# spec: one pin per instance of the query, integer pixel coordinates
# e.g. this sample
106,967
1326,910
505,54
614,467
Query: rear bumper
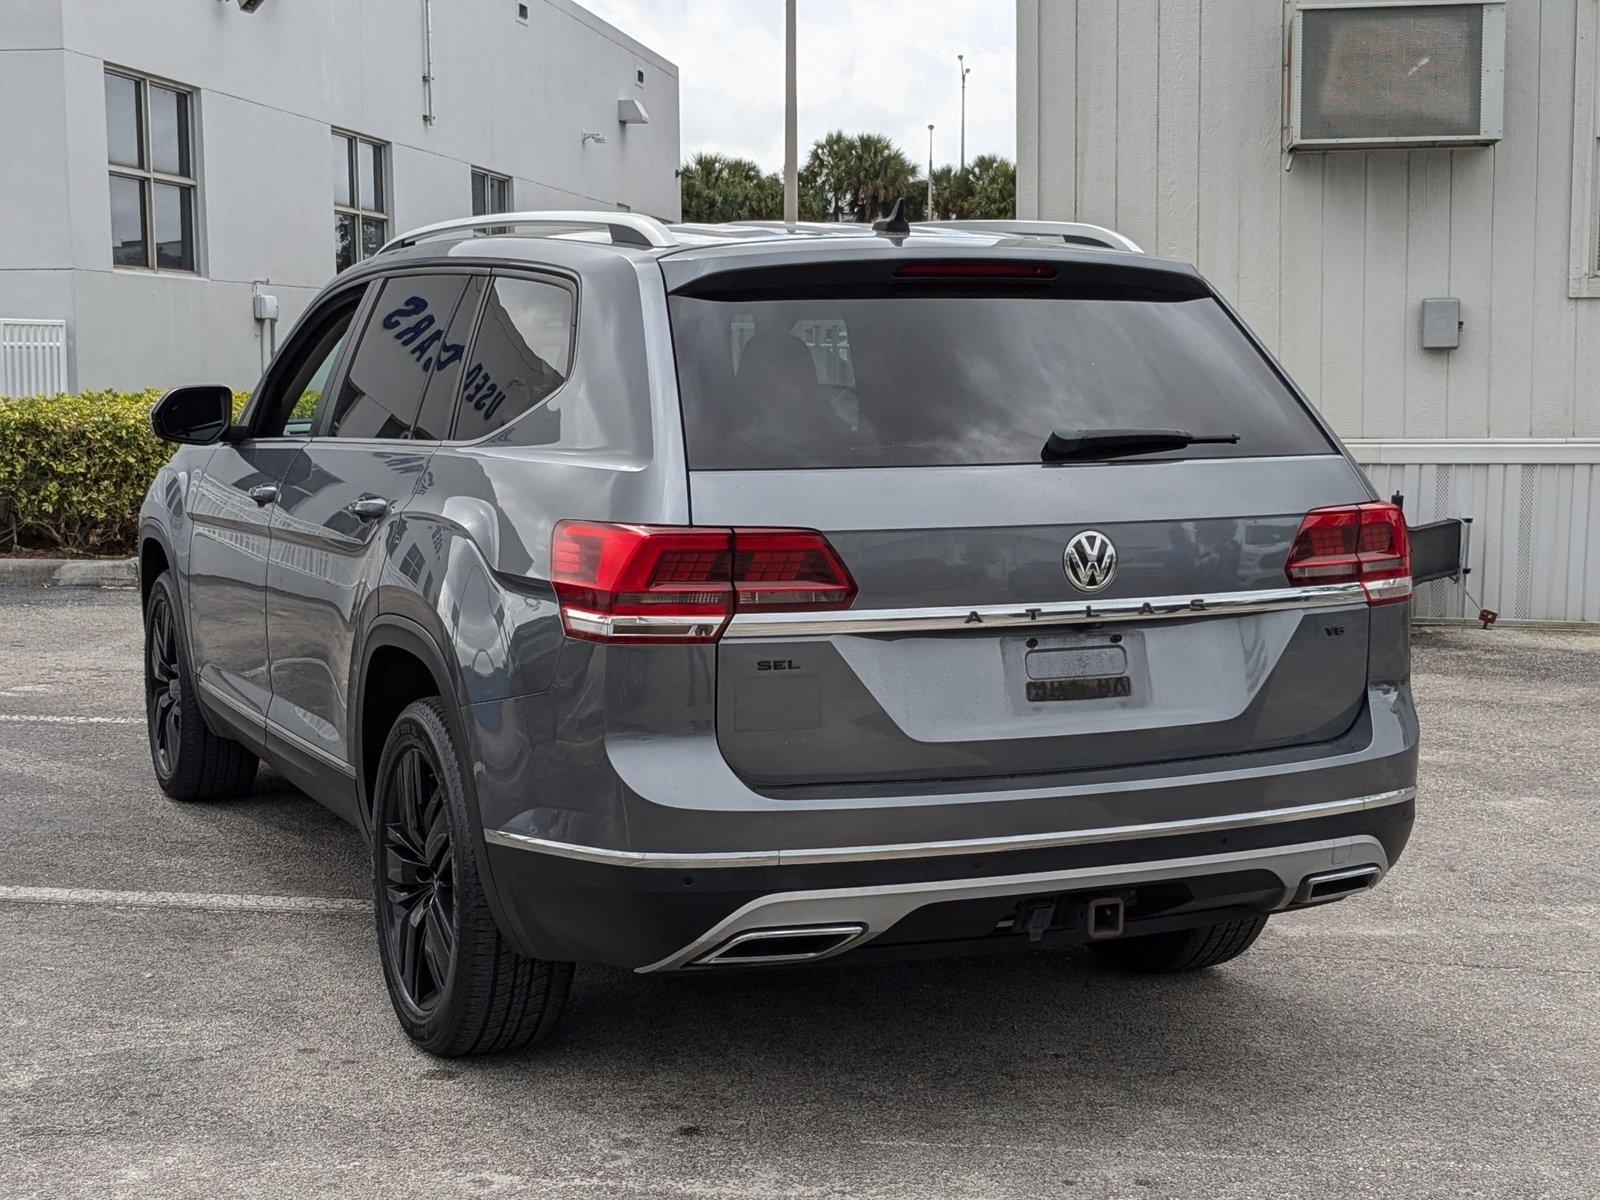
662,912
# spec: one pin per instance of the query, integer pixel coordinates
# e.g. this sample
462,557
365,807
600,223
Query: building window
360,198
491,193
522,12
150,148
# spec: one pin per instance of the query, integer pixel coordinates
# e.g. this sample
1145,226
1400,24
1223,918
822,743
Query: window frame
492,178
1584,246
538,274
309,326
385,182
367,312
147,176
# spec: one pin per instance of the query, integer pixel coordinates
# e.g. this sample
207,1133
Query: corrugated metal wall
33,357
1535,552
1163,119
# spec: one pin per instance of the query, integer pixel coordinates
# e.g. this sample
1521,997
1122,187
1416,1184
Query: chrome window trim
1054,612
994,845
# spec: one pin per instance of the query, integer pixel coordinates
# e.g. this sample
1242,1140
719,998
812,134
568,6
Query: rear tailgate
1012,672
903,414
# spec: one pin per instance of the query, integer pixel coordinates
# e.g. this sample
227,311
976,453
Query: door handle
368,508
264,494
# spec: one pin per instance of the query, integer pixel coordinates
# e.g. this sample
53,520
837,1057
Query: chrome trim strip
879,906
1027,616
994,845
270,726
642,627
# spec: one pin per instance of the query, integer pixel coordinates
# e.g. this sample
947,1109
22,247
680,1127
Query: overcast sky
880,66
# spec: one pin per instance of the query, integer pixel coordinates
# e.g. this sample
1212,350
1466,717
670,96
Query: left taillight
655,583
1356,543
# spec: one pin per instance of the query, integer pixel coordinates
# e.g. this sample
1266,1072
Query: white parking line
45,719
213,901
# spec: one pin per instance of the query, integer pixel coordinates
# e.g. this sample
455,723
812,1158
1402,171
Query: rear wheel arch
401,646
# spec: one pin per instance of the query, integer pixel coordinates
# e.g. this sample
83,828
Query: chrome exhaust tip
1326,886
765,947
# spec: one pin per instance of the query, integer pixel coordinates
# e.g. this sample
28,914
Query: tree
991,189
854,178
719,188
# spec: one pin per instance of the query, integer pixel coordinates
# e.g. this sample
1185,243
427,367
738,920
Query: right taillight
656,583
1357,543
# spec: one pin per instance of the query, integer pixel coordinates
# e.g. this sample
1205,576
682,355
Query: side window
444,384
522,353
294,389
401,348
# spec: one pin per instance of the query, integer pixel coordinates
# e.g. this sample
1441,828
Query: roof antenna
895,222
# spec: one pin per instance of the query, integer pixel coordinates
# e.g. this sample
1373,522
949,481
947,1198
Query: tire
191,761
1182,950
456,984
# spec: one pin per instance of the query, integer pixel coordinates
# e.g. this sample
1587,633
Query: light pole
928,216
791,137
961,61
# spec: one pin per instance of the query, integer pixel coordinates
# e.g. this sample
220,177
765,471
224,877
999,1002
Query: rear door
903,414
359,468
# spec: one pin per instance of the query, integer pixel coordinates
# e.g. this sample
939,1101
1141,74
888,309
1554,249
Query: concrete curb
69,572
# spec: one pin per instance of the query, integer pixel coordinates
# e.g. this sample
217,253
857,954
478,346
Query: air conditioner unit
1365,74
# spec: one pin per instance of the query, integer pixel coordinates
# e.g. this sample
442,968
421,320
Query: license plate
1106,687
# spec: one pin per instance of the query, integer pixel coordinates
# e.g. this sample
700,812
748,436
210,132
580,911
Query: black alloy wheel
192,760
164,687
418,878
457,985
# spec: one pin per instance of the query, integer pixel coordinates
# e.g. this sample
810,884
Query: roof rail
1067,231
626,229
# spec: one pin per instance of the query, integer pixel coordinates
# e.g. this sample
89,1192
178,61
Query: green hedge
74,469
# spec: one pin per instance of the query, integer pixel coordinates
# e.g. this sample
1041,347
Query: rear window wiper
1067,445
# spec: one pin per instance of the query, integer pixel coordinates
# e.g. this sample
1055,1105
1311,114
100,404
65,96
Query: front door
361,467
232,502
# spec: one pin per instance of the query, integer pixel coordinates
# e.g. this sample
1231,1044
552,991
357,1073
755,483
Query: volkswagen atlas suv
688,598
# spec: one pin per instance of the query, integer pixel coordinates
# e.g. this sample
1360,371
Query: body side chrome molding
1054,612
994,845
271,727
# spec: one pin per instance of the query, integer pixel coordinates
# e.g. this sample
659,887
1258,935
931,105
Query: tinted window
401,349
294,389
522,353
953,379
439,402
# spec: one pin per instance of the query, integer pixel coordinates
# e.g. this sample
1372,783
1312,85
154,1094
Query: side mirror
193,416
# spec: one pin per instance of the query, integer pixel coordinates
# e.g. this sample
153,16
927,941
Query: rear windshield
774,382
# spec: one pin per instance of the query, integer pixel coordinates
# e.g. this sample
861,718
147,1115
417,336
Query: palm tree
719,188
854,178
991,188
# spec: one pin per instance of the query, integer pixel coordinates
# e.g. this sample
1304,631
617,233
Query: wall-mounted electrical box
1441,323
1365,74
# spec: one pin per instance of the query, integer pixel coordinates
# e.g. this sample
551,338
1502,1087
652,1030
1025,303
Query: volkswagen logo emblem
1090,561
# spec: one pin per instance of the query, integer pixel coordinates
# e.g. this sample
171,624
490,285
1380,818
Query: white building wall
511,96
1162,118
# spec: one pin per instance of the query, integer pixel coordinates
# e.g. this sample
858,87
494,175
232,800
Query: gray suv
701,597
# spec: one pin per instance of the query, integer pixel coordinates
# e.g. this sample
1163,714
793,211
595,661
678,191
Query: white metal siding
33,357
1162,119
1535,551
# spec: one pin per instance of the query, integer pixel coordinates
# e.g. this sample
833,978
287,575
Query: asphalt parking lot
1440,1037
